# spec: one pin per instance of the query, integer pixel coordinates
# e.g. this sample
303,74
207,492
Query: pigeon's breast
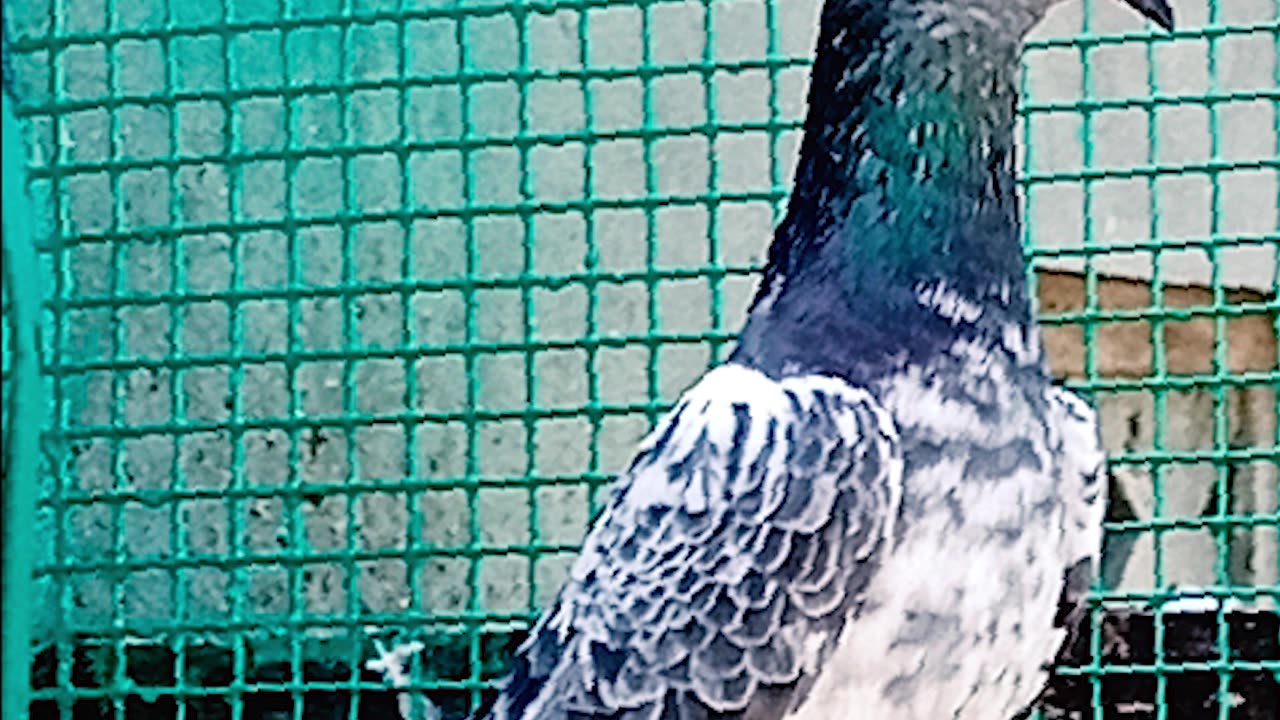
958,622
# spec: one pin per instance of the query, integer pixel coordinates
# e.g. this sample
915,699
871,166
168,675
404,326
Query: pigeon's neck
906,180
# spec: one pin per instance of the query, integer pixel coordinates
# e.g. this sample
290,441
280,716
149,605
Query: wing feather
1084,474
1084,492
730,555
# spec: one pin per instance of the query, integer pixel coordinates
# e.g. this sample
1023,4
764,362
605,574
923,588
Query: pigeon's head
983,23
1158,11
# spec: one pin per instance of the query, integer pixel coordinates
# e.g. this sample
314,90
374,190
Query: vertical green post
22,422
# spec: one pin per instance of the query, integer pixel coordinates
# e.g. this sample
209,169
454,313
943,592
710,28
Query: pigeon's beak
1157,10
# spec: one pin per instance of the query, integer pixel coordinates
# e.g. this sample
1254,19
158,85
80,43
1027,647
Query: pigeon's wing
1083,489
729,557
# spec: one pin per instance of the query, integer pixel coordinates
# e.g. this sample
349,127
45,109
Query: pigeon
880,506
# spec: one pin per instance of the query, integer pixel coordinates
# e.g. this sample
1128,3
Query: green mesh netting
353,306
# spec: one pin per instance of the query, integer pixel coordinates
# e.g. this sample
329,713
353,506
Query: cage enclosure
350,308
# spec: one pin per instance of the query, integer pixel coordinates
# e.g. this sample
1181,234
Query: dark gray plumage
880,506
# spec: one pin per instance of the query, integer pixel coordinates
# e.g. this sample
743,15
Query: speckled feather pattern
796,548
726,564
1001,497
